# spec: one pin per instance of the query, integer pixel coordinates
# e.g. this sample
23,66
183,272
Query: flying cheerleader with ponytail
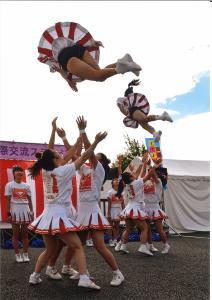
69,49
136,108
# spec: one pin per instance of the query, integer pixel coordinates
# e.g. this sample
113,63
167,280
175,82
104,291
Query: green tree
133,149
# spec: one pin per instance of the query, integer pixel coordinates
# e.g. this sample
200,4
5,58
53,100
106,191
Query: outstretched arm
62,134
71,83
82,125
81,160
52,137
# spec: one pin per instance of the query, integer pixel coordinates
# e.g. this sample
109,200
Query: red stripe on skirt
59,29
48,37
74,192
85,39
39,195
72,29
45,51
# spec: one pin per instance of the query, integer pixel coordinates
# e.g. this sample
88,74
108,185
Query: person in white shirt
89,214
56,220
115,207
134,213
152,198
19,211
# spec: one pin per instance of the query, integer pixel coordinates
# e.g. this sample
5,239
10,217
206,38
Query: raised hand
81,122
100,136
54,125
73,85
61,132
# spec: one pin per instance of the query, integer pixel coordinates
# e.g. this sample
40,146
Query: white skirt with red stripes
115,213
89,216
154,212
20,213
135,211
56,218
62,35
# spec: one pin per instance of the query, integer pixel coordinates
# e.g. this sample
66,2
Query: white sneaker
152,248
87,283
68,270
111,243
166,117
123,248
118,246
77,276
89,243
18,258
115,242
157,135
124,67
143,249
34,278
128,58
166,249
52,273
117,279
25,257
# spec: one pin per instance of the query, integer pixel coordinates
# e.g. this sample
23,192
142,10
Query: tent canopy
187,167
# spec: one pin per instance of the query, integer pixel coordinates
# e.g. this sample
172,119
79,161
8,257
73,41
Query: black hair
105,163
44,161
129,90
17,169
125,178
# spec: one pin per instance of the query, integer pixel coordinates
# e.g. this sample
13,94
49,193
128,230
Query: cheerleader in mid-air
136,108
69,49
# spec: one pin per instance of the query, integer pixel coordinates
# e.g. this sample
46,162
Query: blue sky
194,102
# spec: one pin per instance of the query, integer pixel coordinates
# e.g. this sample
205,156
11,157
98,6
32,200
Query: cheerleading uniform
89,214
152,197
57,216
116,207
62,41
130,104
19,204
135,207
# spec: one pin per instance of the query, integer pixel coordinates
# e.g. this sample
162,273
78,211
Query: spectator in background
19,211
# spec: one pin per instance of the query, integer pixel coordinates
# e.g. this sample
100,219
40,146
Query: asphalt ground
181,274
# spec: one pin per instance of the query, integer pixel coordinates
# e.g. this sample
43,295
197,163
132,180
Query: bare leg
24,233
116,229
159,228
149,233
72,240
15,236
85,71
142,225
147,127
50,243
111,66
110,231
127,231
99,244
140,116
90,60
56,253
69,254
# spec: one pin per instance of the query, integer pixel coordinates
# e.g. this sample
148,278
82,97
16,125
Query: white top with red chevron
135,190
18,192
115,201
155,195
58,183
90,183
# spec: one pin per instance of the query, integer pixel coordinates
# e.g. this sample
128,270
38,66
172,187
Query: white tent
187,198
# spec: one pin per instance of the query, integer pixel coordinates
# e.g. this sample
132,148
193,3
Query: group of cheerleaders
70,50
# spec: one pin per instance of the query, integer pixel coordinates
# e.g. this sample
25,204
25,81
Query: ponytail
125,179
129,90
44,161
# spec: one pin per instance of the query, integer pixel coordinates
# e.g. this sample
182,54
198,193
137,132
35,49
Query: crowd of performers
62,226
68,48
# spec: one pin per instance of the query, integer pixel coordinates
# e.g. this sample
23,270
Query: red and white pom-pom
61,35
129,122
